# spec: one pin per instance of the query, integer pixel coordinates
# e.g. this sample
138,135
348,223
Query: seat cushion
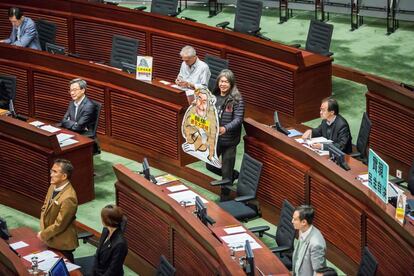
238,209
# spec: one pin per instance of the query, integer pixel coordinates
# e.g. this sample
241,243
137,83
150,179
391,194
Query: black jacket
231,115
110,256
340,133
85,118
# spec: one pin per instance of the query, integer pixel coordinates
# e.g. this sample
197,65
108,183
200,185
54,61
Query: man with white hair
194,73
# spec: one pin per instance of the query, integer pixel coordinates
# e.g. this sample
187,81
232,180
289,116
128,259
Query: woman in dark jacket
230,109
113,248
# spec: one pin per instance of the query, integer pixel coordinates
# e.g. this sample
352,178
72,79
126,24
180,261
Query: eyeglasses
74,90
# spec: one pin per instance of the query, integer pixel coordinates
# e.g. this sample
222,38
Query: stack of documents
318,140
50,128
46,259
37,123
177,188
166,178
186,197
237,241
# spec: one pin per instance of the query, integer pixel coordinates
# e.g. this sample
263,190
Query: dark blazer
110,255
28,35
340,133
85,118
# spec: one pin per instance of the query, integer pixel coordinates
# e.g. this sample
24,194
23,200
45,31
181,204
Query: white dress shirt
77,106
197,74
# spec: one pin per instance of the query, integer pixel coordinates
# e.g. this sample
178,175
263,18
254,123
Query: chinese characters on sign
144,68
378,175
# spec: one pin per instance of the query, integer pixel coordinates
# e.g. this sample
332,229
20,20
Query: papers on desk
50,128
63,136
166,178
46,265
317,140
68,142
18,245
363,178
294,132
41,256
165,82
238,241
177,188
37,123
234,230
187,197
178,87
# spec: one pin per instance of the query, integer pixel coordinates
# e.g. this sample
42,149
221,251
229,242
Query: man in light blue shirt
194,73
24,31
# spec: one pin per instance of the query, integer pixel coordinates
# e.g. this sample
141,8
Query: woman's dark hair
112,215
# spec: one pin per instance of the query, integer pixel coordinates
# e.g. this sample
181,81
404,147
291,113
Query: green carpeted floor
367,49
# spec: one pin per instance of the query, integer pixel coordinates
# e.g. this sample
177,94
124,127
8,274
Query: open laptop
59,269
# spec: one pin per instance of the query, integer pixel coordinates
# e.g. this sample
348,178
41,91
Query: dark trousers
228,159
68,255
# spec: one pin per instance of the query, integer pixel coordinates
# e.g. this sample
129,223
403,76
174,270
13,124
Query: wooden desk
27,154
269,75
157,225
390,108
10,263
348,214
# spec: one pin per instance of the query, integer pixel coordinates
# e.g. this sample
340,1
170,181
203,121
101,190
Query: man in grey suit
309,252
24,32
80,116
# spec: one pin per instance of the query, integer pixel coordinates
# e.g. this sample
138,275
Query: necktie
55,193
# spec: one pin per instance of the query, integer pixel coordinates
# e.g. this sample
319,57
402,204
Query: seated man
80,116
333,127
24,32
194,73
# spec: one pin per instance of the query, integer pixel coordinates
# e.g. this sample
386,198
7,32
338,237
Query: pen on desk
232,225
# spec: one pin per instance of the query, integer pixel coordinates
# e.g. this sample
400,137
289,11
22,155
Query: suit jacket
28,35
312,254
110,255
340,133
57,219
85,118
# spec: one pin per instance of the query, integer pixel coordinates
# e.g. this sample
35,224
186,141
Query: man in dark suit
80,116
58,213
24,32
333,127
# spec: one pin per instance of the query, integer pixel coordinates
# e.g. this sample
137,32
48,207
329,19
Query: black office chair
86,263
409,180
363,137
245,205
319,38
7,90
165,268
247,18
285,234
368,265
215,64
163,7
96,147
47,32
124,49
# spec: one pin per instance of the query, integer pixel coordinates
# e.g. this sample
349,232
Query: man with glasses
333,127
80,116
58,213
24,32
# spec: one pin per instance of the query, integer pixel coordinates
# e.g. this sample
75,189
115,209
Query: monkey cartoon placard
200,128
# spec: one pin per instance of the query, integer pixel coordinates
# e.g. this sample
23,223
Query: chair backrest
363,135
319,37
215,64
405,5
164,7
165,268
285,233
368,265
248,15
378,4
47,32
124,49
249,177
98,107
7,87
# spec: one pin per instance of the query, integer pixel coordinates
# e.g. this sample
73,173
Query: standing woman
230,109
112,248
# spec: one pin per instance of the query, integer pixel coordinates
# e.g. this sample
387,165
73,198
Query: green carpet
367,49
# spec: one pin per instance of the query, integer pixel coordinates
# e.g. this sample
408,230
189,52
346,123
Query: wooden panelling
337,216
394,255
144,220
33,180
282,177
390,122
166,53
272,88
21,103
61,26
6,28
94,40
144,123
51,94
185,250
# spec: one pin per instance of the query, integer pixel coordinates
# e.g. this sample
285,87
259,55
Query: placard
144,68
378,172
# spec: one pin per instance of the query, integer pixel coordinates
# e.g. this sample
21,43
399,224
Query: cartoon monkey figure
200,125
